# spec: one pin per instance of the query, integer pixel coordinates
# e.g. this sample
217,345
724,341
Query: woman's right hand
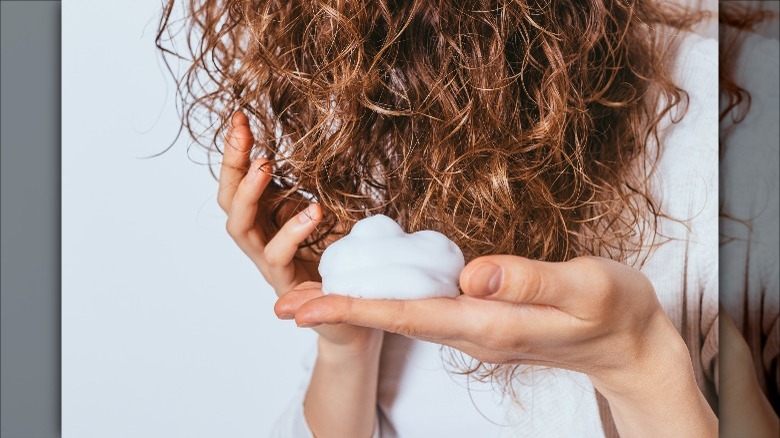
241,186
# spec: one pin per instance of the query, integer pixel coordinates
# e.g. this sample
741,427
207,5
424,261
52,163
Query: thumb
521,280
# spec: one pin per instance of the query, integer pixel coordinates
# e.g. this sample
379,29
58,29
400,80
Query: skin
347,364
588,314
744,408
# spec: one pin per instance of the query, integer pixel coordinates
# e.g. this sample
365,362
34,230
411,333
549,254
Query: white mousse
377,259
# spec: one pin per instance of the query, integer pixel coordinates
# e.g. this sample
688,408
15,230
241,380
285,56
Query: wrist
657,362
655,392
368,346
341,398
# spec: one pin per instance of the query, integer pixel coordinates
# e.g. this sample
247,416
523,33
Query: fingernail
307,324
486,279
285,316
307,215
254,170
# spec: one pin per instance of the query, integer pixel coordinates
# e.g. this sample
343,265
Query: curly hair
522,127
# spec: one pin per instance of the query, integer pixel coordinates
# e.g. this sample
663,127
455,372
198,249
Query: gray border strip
30,222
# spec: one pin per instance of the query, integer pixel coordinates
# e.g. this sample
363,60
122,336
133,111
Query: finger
283,247
437,318
521,280
235,159
289,303
243,209
458,322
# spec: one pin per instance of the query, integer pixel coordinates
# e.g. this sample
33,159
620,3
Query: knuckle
223,203
229,227
599,278
234,229
348,309
527,283
272,256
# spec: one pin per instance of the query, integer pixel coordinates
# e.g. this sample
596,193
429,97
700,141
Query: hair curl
519,127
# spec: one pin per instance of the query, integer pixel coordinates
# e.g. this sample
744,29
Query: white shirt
418,397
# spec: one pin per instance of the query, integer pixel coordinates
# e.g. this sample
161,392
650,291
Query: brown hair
518,127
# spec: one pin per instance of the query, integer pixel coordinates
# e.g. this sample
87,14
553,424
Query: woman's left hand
589,314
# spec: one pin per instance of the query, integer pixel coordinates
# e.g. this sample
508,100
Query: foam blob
377,259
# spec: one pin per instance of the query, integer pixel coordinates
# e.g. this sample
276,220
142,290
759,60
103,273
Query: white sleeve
292,423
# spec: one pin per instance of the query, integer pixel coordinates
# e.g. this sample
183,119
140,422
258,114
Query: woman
569,149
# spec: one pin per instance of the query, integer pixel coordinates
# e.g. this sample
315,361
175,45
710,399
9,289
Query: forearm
341,398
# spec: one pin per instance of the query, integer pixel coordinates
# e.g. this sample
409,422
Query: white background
168,329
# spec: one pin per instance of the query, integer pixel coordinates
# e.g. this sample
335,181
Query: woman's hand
344,379
589,314
241,188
